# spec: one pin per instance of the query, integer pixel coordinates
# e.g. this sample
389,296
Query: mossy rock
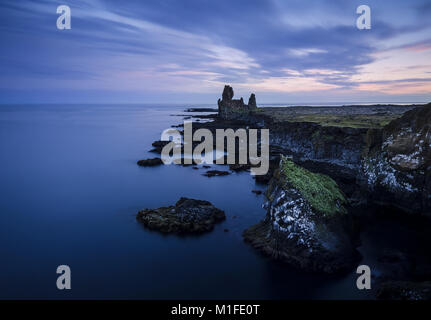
319,190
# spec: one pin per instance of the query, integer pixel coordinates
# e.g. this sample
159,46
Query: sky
185,51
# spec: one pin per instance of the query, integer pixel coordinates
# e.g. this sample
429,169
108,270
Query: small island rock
187,216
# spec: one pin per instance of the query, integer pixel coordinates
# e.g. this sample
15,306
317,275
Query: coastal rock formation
335,151
396,166
158,146
216,173
230,108
252,101
150,162
386,165
306,222
187,216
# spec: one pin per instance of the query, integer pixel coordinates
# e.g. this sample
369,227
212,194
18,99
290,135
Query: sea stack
230,108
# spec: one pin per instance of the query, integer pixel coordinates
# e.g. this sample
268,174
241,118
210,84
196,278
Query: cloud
302,52
198,45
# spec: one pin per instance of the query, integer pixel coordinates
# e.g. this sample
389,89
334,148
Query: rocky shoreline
359,157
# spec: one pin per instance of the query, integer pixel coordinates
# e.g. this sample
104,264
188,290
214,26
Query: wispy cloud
269,46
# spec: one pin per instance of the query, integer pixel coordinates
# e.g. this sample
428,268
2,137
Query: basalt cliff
396,162
341,176
387,164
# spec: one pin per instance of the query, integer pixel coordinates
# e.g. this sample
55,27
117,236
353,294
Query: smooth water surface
69,192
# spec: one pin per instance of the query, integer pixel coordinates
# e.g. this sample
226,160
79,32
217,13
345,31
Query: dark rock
394,264
150,162
204,116
391,256
229,108
206,167
266,178
195,168
334,151
227,94
252,101
307,224
187,216
404,290
201,110
158,146
387,165
256,191
212,173
239,167
226,230
181,125
396,166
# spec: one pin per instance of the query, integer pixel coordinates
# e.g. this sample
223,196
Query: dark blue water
69,192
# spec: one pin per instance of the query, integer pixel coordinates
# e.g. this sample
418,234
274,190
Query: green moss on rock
319,190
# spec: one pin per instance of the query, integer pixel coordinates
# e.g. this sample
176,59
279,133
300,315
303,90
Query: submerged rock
201,110
158,146
150,162
306,222
218,173
187,216
396,167
237,167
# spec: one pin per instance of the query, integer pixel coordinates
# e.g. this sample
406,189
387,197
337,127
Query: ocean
69,193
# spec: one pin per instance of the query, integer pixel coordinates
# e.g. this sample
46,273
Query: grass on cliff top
366,121
356,121
319,190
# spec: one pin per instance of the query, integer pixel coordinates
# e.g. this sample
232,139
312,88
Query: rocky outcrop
396,164
306,223
230,108
252,101
390,165
187,216
150,162
158,146
216,173
335,151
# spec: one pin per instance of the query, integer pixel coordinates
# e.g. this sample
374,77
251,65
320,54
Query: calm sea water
69,192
